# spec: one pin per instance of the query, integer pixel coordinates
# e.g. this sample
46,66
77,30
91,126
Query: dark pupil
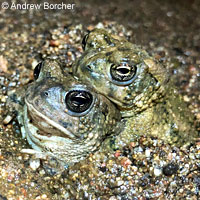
122,72
78,101
84,41
37,70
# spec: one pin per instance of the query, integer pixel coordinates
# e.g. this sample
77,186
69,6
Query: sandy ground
145,169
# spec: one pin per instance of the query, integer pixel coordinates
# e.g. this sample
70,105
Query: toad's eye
78,101
37,70
123,74
84,41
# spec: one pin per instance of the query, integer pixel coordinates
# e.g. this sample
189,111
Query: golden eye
123,72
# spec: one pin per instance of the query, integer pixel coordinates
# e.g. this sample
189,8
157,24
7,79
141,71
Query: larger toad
62,118
140,87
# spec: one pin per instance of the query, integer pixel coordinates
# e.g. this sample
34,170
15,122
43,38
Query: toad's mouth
46,127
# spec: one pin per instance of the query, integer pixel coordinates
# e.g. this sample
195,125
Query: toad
62,118
139,85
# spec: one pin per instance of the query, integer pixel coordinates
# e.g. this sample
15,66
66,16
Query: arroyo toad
140,87
61,117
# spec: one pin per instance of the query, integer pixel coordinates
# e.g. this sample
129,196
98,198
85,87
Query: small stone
7,119
125,162
157,171
186,98
147,152
44,196
120,182
170,169
34,164
134,168
3,98
112,198
192,156
117,153
3,64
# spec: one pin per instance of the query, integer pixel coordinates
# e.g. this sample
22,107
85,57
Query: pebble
157,171
147,152
3,64
170,169
7,119
34,164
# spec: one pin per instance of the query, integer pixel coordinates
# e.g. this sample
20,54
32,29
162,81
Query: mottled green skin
149,104
55,131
